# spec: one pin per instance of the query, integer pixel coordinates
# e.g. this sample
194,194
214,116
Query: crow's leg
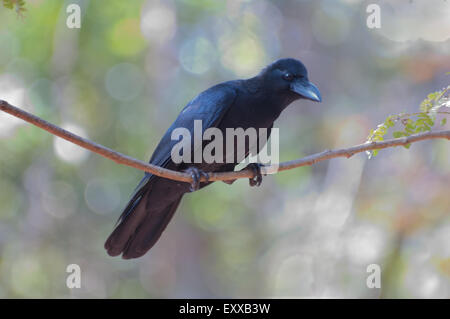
256,180
196,174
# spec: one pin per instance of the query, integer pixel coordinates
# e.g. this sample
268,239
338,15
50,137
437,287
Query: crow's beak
307,90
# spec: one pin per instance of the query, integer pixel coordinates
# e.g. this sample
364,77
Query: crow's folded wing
209,106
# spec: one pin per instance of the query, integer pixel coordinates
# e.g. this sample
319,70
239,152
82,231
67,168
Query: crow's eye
288,76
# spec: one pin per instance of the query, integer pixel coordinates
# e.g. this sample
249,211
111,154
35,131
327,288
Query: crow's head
289,77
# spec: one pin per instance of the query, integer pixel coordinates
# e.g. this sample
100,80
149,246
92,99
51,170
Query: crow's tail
140,225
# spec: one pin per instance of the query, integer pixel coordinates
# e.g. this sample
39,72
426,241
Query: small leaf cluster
434,101
413,123
377,135
17,5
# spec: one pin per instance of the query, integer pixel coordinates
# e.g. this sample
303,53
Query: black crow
252,103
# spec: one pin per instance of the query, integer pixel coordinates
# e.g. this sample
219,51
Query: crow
251,103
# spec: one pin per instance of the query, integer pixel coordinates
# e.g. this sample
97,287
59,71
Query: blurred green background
122,78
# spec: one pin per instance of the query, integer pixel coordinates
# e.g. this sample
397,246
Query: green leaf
444,121
18,5
398,134
389,121
8,4
407,146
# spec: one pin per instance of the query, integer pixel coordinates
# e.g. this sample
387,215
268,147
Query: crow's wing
209,106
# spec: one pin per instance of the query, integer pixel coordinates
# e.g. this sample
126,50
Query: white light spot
158,22
197,55
400,20
68,151
365,244
13,92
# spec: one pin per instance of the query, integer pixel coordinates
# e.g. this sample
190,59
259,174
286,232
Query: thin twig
224,176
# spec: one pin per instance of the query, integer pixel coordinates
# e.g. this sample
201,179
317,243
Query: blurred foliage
122,78
17,5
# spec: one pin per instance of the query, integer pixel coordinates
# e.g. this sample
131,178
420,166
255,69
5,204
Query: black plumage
256,102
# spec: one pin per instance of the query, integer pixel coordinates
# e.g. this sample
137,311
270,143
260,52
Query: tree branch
183,177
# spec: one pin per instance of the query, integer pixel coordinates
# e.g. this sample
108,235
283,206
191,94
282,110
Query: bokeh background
122,78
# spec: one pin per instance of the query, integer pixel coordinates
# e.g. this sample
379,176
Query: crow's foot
256,180
196,175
